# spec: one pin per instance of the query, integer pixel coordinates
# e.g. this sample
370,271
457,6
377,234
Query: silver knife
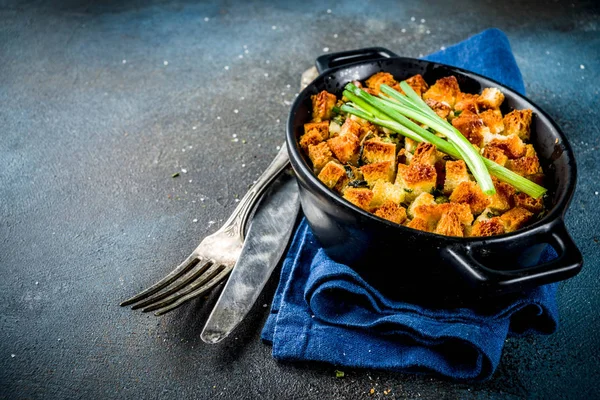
267,238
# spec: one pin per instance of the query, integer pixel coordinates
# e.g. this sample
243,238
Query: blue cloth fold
324,311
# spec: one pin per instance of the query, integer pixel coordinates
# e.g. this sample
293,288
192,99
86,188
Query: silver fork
214,257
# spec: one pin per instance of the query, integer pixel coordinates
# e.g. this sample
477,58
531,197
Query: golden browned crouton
433,212
456,172
525,166
518,122
345,148
384,191
319,155
392,212
425,153
511,145
333,175
416,178
529,203
418,84
314,133
487,227
420,224
471,126
351,126
495,154
515,218
490,98
360,197
378,171
503,199
466,102
424,199
493,120
378,79
322,105
444,90
449,225
441,108
470,193
375,150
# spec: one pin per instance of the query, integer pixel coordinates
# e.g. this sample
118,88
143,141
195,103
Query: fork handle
236,223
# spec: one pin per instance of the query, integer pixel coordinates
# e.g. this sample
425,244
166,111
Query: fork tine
206,277
182,268
194,294
190,276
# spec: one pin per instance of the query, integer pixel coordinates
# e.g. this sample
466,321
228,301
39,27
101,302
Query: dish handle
343,58
567,264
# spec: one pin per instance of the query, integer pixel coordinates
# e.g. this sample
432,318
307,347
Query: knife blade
267,238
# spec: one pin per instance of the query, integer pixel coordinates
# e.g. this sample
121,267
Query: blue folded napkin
324,311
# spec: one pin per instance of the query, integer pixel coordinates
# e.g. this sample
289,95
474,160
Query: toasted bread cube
416,178
425,153
322,105
378,79
444,90
384,191
392,212
511,145
360,197
525,166
472,127
319,155
488,227
424,199
375,150
515,218
456,172
322,127
495,154
529,203
490,98
380,171
345,148
314,133
470,193
350,126
503,199
418,84
420,224
433,212
441,108
493,120
333,175
466,102
449,225
518,122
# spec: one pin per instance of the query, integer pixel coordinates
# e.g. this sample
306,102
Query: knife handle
236,224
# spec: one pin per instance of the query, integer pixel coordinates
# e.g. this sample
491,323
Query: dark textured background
93,124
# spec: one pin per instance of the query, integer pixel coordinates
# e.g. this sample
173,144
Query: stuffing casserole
414,184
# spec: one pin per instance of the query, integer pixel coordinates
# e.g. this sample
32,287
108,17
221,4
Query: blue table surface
101,102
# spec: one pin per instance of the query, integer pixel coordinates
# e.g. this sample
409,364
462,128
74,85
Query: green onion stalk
394,114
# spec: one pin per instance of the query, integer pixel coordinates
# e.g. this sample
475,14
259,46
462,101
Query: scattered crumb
273,27
403,30
328,11
165,62
325,49
124,61
443,48
265,305
582,66
206,19
412,19
184,170
226,68
372,391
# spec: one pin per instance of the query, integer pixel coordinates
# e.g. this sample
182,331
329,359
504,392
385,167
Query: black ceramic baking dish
395,258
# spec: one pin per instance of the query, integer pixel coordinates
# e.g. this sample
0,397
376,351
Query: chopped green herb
358,183
457,112
175,175
408,190
442,199
349,172
339,374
